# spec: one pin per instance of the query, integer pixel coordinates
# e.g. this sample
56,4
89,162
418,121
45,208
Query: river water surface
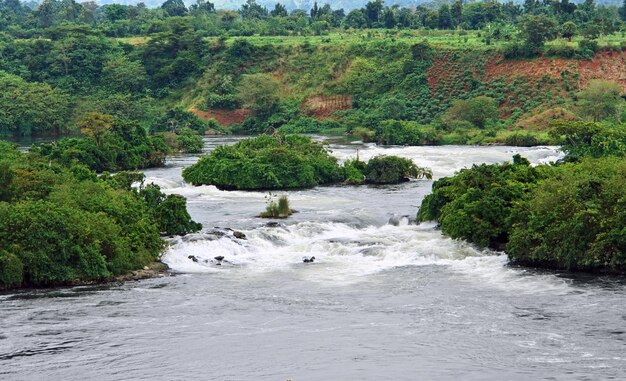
382,301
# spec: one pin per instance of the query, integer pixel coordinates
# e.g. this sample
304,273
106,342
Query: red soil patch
541,121
324,106
608,65
224,118
497,67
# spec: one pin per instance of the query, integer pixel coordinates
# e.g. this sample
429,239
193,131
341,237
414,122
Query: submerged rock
397,220
239,235
193,258
308,260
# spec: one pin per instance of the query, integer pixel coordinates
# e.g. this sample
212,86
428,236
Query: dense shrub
126,145
476,203
170,212
574,220
60,224
581,139
266,162
11,270
393,169
396,132
309,126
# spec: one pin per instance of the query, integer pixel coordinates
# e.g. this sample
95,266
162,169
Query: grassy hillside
362,79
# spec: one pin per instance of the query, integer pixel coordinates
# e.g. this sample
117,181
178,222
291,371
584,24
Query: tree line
565,17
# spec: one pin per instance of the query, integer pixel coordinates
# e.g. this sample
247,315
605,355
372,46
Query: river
382,301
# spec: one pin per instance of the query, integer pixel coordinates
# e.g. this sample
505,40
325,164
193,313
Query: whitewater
386,298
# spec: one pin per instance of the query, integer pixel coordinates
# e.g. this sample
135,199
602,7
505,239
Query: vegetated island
270,162
62,224
566,216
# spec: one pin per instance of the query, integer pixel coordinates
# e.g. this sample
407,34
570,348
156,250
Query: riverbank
153,270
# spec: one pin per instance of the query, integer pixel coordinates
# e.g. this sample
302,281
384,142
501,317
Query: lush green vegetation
266,162
276,209
423,70
567,216
292,161
60,223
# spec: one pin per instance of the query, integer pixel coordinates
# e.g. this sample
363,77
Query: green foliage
600,100
31,107
177,118
574,220
169,212
62,224
394,132
582,139
266,162
476,203
303,125
189,141
354,171
260,93
125,145
393,169
11,270
276,209
537,29
477,111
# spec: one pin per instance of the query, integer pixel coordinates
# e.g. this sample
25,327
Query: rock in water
308,260
397,220
193,258
219,258
239,235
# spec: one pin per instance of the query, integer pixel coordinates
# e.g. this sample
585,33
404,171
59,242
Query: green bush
353,171
266,162
394,132
189,141
575,219
11,270
60,225
521,139
476,203
393,169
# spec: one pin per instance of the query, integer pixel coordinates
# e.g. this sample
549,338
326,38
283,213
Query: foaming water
384,299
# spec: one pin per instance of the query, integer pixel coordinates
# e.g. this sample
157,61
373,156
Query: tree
355,19
116,12
259,92
622,11
600,100
27,108
457,12
174,7
252,10
279,10
202,6
373,11
96,125
445,17
477,111
568,30
537,30
314,11
123,75
389,18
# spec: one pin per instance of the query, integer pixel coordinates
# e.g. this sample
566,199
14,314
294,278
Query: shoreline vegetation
125,86
61,222
569,215
293,162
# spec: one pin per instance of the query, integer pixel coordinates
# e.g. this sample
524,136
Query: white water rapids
382,301
345,228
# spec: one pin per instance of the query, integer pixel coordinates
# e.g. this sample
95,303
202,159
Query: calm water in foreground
382,301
